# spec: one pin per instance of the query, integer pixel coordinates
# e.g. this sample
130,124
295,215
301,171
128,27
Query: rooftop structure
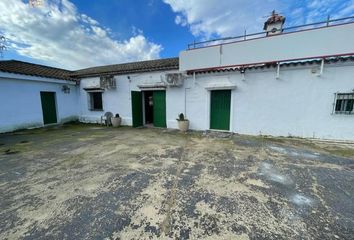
313,41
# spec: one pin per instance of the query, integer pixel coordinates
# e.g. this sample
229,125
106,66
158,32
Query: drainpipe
321,68
185,102
185,96
243,77
278,71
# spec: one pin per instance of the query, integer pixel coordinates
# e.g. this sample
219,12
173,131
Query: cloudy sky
76,34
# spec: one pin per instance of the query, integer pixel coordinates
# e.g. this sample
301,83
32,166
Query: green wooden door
49,107
159,99
220,104
137,109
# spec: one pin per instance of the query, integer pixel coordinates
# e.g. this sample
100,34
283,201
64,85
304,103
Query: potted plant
183,123
116,120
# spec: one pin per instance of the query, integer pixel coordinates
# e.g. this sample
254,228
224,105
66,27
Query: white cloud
207,19
58,35
223,18
179,20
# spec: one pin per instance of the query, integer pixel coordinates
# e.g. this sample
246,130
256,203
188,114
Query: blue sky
154,18
75,34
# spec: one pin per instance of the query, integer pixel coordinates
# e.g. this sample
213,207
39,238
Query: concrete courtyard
91,182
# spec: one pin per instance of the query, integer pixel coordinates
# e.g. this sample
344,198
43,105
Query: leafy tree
2,45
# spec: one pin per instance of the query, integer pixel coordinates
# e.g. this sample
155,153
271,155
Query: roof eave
80,76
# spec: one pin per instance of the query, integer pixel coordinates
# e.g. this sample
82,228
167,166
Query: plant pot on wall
116,120
183,124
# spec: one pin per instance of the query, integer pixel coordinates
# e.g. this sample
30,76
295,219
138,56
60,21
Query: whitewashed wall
20,101
300,103
119,100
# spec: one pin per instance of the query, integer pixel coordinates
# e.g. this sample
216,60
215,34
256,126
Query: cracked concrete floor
91,182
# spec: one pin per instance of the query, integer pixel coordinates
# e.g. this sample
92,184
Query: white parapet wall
312,43
20,101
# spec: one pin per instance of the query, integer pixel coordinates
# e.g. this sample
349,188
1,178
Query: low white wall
20,101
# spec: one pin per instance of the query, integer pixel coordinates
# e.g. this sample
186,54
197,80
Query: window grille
344,103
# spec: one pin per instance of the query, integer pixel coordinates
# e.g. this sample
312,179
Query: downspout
321,68
278,71
185,96
185,102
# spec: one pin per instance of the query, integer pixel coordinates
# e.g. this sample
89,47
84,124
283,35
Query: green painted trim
159,99
48,107
137,108
220,108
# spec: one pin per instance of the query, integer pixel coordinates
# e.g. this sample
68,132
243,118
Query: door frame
208,110
143,90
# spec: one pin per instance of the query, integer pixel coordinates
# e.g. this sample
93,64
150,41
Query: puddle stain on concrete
83,182
301,200
273,174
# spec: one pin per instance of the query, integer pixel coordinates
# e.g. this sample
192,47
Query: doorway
220,107
148,108
48,107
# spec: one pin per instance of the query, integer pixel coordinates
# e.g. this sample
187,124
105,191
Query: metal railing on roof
327,23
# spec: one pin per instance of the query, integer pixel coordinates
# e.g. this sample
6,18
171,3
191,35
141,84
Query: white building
279,83
33,95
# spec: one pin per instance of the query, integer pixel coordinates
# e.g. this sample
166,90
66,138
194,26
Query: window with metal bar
344,103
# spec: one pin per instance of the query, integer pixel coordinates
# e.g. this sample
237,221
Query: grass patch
348,153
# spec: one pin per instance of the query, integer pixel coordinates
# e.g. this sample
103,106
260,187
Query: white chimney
274,24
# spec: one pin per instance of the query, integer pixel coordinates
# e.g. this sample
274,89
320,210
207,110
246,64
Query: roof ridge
120,64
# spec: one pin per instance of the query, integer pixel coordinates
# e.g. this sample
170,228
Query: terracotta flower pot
116,121
183,125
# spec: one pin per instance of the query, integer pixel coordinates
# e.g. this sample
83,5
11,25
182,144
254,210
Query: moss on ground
348,153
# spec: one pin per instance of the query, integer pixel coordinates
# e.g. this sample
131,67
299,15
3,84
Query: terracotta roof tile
19,67
274,64
133,67
14,66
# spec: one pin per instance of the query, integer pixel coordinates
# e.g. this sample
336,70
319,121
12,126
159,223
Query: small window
344,103
96,101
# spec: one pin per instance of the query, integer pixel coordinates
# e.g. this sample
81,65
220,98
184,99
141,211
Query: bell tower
274,24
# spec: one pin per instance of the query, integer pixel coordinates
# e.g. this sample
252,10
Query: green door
159,99
48,107
137,108
220,103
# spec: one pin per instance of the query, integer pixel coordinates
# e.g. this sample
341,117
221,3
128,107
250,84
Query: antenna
272,13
